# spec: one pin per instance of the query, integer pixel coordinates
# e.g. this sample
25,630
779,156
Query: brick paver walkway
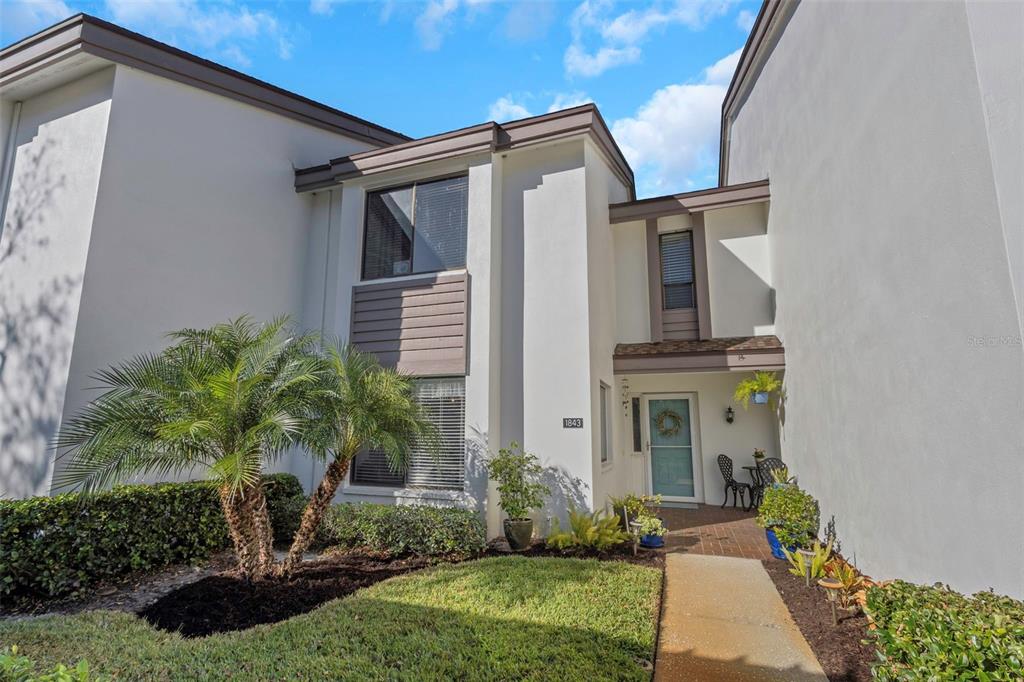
711,530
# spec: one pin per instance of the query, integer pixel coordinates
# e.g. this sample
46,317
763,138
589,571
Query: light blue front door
672,449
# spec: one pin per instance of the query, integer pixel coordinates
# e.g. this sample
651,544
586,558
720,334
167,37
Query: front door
672,448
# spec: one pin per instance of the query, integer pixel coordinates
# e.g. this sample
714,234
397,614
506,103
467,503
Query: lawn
493,619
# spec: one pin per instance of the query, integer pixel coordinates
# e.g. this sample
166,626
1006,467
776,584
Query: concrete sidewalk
723,619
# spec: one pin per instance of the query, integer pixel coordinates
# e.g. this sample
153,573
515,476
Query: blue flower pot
773,542
760,398
652,541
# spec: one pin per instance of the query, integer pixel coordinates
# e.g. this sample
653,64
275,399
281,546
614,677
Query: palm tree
363,407
225,400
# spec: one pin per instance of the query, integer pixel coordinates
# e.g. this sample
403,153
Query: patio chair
764,477
738,489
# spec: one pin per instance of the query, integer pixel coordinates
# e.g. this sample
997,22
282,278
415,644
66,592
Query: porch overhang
734,354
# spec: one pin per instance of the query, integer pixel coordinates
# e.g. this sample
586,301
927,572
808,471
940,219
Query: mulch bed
226,602
839,648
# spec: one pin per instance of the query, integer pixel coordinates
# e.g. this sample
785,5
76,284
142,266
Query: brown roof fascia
487,137
770,14
690,202
88,34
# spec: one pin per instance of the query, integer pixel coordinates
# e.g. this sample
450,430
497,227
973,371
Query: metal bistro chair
738,489
764,475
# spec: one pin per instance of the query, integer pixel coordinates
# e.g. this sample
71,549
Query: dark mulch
839,648
226,602
643,557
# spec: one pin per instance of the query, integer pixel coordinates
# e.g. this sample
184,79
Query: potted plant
758,454
629,507
651,531
758,388
790,518
515,471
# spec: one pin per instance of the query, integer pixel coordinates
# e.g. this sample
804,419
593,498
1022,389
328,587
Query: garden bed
225,602
839,648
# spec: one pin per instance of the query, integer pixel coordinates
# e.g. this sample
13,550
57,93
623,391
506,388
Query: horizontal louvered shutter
677,270
441,219
444,401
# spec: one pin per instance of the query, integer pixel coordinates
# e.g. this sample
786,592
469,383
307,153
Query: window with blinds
677,270
444,401
418,228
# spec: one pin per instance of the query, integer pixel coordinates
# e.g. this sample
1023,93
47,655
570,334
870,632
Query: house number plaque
572,422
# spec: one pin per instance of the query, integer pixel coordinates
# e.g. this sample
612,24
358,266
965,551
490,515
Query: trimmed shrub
792,513
933,633
405,529
54,546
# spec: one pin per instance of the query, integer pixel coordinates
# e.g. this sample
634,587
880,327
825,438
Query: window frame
412,238
350,481
693,270
605,424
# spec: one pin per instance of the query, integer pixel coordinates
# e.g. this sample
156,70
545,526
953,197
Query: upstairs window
677,287
416,229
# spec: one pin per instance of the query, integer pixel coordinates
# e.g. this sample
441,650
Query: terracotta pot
519,533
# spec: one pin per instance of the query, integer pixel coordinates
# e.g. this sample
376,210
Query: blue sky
658,71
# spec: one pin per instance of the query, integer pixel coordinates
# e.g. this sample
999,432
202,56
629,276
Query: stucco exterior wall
195,222
43,247
890,255
739,271
632,293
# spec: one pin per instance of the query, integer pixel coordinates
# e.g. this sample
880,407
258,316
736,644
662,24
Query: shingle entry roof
734,344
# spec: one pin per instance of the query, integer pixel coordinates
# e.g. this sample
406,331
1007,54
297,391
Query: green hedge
53,546
932,633
405,529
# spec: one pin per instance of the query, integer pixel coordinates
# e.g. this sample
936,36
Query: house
513,271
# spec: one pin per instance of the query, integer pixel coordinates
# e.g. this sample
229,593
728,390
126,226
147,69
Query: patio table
758,487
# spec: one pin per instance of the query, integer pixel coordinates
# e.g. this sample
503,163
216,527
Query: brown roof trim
83,33
711,355
690,202
487,137
773,15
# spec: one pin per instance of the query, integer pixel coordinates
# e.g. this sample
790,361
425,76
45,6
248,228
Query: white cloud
672,140
224,28
745,20
721,71
578,62
323,7
622,35
25,18
434,22
506,109
567,100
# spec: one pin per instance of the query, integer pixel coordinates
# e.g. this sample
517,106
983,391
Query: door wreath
669,423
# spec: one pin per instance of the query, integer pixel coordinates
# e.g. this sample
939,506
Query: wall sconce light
729,414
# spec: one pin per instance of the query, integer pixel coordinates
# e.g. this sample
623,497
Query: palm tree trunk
314,512
239,529
263,534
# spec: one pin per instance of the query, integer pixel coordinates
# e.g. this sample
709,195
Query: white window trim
605,425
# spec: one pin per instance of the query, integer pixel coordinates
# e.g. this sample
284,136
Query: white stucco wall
739,271
894,263
46,234
755,427
632,292
195,221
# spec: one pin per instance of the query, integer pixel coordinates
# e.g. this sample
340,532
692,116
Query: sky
658,71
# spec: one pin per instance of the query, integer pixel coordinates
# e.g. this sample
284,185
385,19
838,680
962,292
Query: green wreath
669,423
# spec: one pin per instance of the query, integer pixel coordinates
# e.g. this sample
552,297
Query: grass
493,619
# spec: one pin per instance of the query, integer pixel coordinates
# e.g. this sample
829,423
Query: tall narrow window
418,228
444,401
637,435
606,440
677,270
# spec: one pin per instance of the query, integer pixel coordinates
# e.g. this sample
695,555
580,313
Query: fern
596,531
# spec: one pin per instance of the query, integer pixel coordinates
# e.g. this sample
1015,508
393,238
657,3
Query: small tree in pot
515,471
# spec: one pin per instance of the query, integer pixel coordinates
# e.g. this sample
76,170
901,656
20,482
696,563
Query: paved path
722,619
